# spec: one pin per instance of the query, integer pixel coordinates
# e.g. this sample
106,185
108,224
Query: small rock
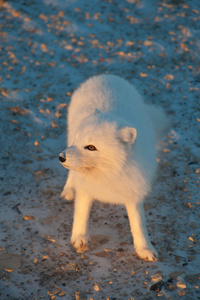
181,285
10,262
157,287
26,217
96,287
194,225
175,274
192,279
47,220
101,254
62,293
69,267
169,286
157,277
56,291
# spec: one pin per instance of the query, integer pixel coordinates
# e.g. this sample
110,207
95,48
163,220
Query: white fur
107,112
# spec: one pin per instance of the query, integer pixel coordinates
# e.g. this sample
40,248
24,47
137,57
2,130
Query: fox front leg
82,207
68,191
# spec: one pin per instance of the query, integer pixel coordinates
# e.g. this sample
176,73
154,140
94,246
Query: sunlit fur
107,112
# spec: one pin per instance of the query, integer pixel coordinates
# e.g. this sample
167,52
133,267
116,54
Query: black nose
62,159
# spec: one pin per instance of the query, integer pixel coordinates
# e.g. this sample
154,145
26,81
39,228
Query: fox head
99,147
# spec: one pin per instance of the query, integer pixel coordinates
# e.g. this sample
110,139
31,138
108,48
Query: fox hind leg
143,246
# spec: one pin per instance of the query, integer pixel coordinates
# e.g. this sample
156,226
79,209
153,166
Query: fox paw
147,253
79,242
68,194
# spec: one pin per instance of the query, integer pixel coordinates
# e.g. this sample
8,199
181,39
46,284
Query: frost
47,49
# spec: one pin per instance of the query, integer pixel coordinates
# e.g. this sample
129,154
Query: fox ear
128,134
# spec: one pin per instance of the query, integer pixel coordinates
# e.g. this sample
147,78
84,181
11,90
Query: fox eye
90,147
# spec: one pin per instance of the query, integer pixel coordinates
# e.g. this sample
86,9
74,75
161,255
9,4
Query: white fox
111,154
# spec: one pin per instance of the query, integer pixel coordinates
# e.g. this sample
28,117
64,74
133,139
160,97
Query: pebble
157,277
10,262
96,287
175,274
192,278
157,287
181,285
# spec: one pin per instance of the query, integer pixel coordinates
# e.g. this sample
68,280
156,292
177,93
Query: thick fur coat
111,154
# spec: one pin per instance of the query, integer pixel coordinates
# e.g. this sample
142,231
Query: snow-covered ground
47,48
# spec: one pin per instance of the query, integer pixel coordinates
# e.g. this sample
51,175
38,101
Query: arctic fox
111,154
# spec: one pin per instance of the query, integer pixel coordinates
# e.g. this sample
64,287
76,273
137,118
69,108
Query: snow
47,49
